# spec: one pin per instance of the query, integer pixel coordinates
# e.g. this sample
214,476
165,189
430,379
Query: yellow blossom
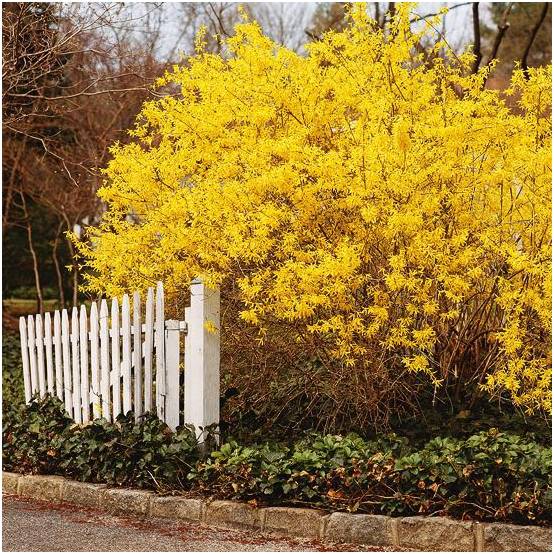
391,215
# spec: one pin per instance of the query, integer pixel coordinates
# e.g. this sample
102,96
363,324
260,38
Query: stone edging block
433,533
10,482
176,507
501,537
42,487
415,533
300,522
123,501
237,515
361,529
83,494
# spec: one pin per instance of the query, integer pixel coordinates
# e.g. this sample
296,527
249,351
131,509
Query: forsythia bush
381,210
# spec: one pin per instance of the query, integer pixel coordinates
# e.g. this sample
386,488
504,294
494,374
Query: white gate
107,362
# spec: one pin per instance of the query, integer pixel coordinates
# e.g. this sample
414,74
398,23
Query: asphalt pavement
35,526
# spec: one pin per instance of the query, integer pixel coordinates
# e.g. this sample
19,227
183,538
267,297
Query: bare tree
519,31
285,23
74,79
218,18
326,17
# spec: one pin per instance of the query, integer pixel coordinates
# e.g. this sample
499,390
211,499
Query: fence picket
159,340
148,343
116,366
58,354
32,344
83,351
48,348
188,350
172,373
75,365
137,355
105,360
126,357
66,357
39,330
25,358
95,362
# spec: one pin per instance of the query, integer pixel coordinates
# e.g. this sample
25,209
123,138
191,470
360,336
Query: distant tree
32,59
527,38
31,67
285,23
328,16
74,77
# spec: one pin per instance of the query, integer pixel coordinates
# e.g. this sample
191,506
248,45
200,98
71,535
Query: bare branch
532,37
427,16
503,26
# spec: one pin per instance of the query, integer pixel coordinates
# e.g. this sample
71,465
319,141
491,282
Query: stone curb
413,533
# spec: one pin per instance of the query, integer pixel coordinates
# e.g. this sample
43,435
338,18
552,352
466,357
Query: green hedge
41,438
490,475
12,371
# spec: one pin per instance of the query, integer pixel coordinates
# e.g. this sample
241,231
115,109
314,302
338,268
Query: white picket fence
106,362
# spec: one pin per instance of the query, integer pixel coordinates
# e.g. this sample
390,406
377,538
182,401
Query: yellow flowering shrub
380,212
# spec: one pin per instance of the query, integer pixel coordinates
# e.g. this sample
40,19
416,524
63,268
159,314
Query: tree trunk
75,284
476,38
38,286
503,26
11,188
75,272
74,267
534,33
57,266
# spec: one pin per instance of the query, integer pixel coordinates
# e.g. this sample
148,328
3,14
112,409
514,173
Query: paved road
36,526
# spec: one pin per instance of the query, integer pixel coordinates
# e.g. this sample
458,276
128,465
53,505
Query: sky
458,22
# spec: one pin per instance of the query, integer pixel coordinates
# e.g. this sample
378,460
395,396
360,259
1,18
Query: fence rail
102,363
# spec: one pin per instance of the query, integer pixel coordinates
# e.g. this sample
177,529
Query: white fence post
115,374
48,347
202,357
127,354
148,349
95,361
40,354
83,355
32,345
